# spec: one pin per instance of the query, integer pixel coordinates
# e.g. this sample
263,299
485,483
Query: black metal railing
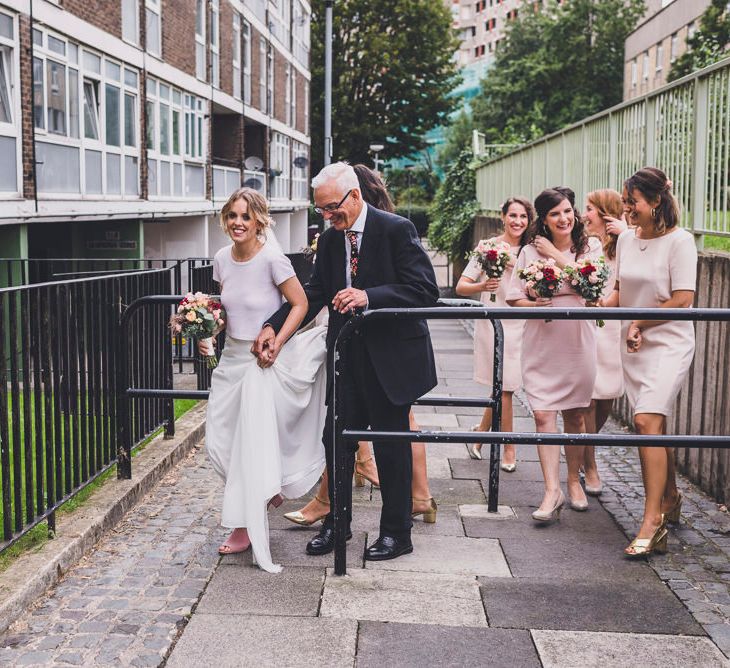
59,365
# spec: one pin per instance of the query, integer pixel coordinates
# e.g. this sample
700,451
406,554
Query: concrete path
478,589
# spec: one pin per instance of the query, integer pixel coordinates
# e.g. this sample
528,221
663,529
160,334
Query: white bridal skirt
264,430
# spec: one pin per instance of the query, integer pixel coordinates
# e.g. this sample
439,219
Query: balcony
225,181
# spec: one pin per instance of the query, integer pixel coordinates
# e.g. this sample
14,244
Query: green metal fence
682,128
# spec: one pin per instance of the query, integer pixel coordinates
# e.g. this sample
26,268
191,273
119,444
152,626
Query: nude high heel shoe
298,517
551,515
361,475
429,516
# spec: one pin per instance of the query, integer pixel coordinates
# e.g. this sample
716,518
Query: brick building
125,124
481,25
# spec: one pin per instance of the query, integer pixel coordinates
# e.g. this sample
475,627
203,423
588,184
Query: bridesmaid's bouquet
310,252
197,317
493,257
589,279
543,277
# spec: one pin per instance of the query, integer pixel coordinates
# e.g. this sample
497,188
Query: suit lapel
371,238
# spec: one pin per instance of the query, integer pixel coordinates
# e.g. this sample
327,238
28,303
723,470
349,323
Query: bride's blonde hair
258,208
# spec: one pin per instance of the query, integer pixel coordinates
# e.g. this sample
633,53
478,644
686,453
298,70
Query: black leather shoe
323,542
387,547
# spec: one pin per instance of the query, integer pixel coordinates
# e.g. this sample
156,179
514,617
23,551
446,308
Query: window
246,57
86,117
280,161
236,52
691,30
9,114
153,10
262,74
305,102
270,80
215,69
300,171
659,57
6,83
673,48
634,72
130,21
287,93
300,33
200,39
645,66
280,21
293,100
174,159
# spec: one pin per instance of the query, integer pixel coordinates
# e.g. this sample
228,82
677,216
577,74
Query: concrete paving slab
418,645
575,649
518,492
238,591
578,605
234,640
438,466
454,492
479,470
392,596
481,511
446,421
448,522
447,450
287,549
450,554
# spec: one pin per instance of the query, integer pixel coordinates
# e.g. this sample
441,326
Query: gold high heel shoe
642,547
361,476
298,518
672,515
429,516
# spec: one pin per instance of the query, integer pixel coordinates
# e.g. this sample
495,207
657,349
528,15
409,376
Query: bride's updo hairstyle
548,199
258,209
654,185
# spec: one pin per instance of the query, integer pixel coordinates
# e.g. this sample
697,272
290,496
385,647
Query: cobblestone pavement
487,590
126,601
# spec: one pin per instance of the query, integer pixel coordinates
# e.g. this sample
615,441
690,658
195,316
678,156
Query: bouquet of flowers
543,277
589,278
493,257
197,317
310,252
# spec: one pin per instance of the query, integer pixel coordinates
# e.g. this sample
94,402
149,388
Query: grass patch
37,536
717,243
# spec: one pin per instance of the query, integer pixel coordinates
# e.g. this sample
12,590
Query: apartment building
481,25
657,42
125,124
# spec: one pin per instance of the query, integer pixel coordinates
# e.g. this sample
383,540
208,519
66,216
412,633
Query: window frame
154,7
246,54
262,73
215,43
13,129
127,38
236,56
201,63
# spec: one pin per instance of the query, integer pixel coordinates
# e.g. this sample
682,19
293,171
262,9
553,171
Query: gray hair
339,172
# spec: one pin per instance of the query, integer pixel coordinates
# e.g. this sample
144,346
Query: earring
653,212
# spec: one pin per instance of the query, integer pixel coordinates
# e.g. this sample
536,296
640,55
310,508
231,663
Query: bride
265,417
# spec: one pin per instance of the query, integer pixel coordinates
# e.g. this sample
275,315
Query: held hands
490,285
203,348
615,225
266,348
633,338
349,299
543,301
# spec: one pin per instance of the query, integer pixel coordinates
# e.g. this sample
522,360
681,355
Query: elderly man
368,258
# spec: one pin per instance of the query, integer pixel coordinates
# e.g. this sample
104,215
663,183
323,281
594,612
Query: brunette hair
373,189
258,208
608,203
654,185
549,199
527,205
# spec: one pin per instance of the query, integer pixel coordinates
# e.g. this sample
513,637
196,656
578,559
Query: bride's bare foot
238,541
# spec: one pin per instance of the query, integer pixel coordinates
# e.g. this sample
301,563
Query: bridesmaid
656,268
558,357
517,215
603,220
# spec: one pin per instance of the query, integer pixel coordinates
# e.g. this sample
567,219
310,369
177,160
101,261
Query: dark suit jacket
395,271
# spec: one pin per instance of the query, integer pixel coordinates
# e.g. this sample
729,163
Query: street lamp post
376,148
408,169
328,4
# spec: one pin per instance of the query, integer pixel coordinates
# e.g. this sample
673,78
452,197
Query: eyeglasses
331,208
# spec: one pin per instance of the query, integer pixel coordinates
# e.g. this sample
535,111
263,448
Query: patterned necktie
354,255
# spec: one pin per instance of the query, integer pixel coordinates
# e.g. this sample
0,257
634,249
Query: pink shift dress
558,357
484,333
648,271
610,375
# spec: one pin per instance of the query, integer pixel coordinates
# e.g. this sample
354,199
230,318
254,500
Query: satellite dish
253,163
256,184
301,161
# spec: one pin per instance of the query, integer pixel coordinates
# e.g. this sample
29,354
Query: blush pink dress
558,357
609,376
648,271
484,333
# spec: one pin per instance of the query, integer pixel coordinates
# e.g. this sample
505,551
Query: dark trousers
367,405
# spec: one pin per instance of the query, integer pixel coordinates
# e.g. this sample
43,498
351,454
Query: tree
555,66
393,69
454,208
458,136
708,45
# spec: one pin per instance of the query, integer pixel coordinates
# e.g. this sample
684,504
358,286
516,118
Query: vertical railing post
124,448
650,131
613,175
699,159
494,455
339,457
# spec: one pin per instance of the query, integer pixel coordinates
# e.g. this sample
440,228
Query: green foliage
417,185
555,66
458,137
393,69
708,45
419,215
453,210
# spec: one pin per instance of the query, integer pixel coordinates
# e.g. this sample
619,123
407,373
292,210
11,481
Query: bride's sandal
298,516
643,547
235,543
